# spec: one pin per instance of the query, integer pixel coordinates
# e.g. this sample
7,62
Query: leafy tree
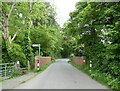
27,48
15,52
95,27
37,18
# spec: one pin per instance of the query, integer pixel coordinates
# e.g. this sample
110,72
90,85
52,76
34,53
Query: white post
38,66
39,57
90,66
28,65
5,70
15,67
18,65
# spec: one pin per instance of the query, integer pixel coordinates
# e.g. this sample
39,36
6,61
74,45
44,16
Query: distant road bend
61,75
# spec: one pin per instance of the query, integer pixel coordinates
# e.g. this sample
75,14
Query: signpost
38,45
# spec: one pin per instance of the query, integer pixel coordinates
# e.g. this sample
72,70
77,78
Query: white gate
6,69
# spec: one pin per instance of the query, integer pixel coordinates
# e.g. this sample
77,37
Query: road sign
35,45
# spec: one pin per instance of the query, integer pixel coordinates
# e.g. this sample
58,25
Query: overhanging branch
15,35
11,9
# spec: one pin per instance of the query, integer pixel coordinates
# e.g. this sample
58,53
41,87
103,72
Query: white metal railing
6,69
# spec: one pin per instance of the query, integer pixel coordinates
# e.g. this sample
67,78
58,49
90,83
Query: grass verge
25,81
103,78
42,68
1,79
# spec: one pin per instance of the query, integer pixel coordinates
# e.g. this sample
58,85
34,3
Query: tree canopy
27,23
93,31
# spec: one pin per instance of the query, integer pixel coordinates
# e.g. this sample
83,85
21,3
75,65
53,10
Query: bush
15,52
16,73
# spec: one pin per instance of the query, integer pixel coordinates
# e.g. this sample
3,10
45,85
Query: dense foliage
27,23
93,31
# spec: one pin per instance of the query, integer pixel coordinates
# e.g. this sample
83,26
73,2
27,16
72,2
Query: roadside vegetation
93,31
103,78
27,23
42,68
1,79
24,24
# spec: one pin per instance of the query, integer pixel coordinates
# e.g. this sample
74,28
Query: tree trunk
5,23
5,28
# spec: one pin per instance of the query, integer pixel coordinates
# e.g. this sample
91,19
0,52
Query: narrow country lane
61,75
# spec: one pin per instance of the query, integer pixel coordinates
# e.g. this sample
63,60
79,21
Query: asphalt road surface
61,75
